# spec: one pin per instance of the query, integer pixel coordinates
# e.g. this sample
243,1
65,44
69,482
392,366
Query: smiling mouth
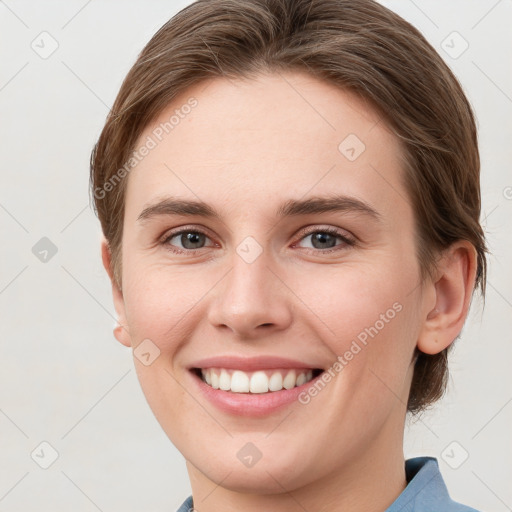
258,382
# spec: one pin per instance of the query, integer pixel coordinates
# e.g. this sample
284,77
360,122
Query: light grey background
63,377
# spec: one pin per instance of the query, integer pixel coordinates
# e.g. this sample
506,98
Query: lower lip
251,404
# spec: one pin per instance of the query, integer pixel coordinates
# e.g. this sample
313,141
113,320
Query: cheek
358,301
162,303
368,317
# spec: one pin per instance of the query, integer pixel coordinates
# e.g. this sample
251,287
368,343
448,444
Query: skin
248,146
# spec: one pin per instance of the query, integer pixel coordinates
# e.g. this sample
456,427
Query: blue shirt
425,491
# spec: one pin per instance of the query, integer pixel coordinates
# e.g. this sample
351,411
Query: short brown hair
357,45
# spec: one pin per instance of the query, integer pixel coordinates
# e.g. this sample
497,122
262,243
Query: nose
251,300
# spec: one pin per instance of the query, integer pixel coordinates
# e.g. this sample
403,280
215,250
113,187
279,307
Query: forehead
247,140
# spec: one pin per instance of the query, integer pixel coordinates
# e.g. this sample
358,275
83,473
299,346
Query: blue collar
425,491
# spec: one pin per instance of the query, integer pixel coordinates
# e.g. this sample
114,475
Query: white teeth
261,381
239,382
224,380
275,382
290,380
215,380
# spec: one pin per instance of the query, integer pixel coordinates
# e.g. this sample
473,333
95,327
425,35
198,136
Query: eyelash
303,234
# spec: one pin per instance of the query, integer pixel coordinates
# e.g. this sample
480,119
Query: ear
452,291
121,332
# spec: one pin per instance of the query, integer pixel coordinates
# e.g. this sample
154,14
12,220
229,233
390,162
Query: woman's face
300,256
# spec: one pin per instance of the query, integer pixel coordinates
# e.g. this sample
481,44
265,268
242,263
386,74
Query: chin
256,480
268,475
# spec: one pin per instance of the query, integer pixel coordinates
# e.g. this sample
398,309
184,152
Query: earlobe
122,335
453,291
121,332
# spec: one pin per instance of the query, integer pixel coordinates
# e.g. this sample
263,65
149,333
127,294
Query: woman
289,193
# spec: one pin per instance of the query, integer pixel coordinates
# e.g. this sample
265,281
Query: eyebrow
290,208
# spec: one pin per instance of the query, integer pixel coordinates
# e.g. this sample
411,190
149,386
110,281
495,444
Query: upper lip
250,363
